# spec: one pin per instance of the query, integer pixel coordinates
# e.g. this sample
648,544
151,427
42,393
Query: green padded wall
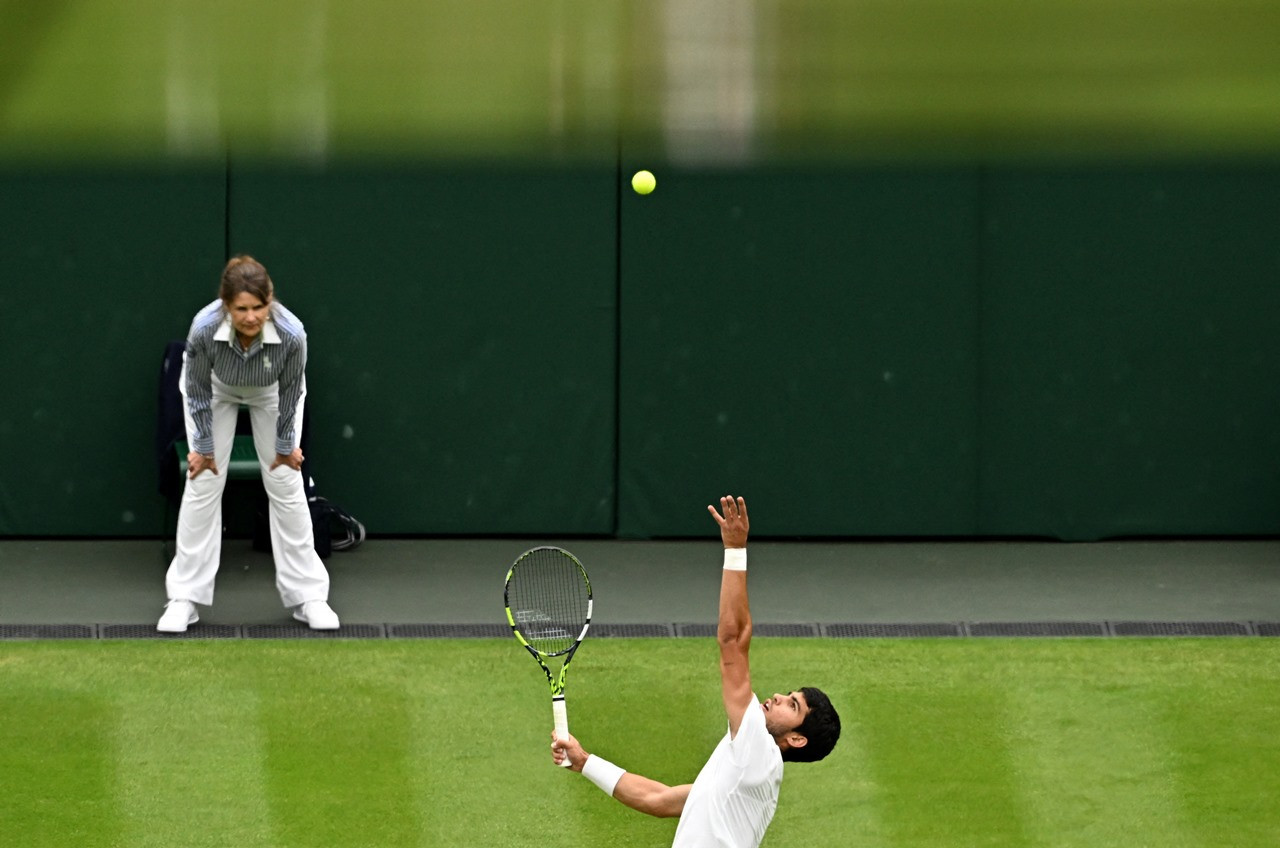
462,326
1073,352
1131,349
805,338
101,268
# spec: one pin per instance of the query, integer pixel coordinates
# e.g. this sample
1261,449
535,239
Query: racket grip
561,718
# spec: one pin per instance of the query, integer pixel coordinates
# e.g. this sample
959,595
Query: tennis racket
548,598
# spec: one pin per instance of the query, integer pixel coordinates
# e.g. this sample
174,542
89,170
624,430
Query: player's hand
293,460
197,463
733,522
571,748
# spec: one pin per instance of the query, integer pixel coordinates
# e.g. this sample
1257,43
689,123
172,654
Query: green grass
1103,742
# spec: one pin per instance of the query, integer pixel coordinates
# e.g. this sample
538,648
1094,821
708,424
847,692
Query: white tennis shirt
735,795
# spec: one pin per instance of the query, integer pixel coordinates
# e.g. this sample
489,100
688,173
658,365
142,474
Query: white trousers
300,574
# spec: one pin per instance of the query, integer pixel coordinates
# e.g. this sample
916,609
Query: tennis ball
643,182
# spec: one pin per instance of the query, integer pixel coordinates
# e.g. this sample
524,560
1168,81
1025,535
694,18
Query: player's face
248,314
783,713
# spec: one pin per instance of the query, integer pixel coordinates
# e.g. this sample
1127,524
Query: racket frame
556,680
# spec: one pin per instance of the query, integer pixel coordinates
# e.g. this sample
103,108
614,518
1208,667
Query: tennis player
733,799
246,349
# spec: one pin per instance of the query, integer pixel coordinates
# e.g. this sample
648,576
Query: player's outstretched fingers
731,506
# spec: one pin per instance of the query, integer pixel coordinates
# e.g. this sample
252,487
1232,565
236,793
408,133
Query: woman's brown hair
245,274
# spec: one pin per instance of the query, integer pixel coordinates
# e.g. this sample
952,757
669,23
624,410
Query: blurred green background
732,80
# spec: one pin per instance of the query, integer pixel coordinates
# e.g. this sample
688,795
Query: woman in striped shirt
245,349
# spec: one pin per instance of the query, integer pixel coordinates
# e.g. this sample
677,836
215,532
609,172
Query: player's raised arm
733,628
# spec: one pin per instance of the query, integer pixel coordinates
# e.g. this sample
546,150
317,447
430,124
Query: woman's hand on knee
293,460
198,462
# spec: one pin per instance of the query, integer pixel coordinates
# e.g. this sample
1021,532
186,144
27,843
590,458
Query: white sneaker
177,616
317,615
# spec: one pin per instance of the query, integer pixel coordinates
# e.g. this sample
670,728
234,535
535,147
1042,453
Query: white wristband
735,559
602,773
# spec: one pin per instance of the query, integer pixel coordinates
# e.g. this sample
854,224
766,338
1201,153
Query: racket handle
561,718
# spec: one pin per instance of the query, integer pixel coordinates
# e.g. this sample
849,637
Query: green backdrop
808,338
101,268
1075,351
1131,355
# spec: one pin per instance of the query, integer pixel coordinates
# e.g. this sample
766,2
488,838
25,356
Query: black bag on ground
341,531
333,528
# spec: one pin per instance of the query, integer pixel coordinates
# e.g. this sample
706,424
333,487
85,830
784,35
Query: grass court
975,742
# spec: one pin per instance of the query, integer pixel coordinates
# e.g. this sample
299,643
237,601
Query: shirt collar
270,335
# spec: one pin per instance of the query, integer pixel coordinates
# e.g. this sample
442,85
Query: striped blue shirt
277,355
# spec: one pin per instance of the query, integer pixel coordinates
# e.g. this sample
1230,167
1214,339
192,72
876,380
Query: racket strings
549,599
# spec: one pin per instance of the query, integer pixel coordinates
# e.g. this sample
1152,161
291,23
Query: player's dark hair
821,726
245,274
